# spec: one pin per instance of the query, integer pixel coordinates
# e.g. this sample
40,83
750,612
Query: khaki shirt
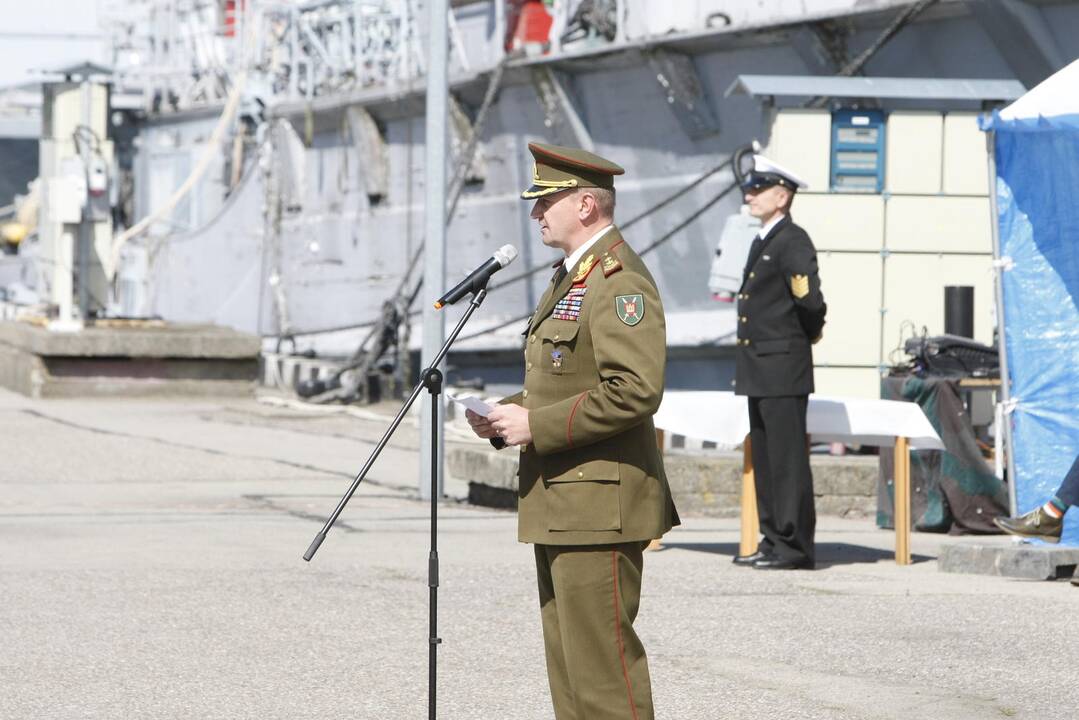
594,359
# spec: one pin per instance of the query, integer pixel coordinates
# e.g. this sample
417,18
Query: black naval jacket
780,313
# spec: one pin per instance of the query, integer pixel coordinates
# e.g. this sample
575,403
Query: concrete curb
1004,558
169,361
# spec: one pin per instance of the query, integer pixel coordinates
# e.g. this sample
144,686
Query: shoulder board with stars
611,264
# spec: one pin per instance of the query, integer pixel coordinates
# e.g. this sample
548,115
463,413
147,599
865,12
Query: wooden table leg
902,501
750,523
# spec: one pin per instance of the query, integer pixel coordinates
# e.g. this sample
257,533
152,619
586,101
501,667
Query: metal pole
434,260
1004,428
86,227
500,29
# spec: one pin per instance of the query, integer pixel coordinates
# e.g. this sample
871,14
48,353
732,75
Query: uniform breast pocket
559,348
582,495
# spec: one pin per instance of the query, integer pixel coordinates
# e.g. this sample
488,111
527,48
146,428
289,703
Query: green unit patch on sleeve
630,308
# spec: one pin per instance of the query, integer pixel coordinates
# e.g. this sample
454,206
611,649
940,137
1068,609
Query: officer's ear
786,197
587,206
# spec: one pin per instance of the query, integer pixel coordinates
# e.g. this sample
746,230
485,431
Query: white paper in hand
472,403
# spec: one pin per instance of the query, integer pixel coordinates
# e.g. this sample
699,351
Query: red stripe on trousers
618,631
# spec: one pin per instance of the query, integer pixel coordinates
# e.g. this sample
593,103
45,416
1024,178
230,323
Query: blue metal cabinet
857,151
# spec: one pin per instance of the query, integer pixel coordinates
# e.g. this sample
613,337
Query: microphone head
505,255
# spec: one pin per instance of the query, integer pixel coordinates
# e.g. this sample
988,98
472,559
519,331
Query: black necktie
754,251
560,274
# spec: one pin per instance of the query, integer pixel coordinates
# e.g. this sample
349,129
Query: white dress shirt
577,254
763,232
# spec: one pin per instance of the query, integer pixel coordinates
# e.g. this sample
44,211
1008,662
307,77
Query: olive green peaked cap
559,168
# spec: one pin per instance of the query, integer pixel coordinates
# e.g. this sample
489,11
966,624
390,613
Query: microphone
479,277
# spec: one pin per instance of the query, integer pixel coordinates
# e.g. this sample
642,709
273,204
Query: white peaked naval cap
768,172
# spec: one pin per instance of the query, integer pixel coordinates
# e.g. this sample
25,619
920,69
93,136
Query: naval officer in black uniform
780,315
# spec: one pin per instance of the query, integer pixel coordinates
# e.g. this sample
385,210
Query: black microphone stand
431,379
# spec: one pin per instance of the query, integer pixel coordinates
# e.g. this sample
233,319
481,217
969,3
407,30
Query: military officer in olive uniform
780,315
592,490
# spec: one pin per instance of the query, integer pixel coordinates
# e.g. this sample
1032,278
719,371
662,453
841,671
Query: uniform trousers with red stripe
596,664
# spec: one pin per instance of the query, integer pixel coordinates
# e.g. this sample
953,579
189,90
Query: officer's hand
511,424
480,425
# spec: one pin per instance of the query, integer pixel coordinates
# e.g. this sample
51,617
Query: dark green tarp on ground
954,490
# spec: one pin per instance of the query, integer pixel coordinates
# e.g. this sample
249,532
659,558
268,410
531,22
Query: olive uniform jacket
780,314
594,360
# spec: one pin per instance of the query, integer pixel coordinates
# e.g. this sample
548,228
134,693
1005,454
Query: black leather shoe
1035,524
774,562
1075,578
750,559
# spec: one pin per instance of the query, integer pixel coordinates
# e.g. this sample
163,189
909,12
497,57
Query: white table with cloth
723,418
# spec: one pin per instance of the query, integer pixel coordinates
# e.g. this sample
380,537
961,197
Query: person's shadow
828,553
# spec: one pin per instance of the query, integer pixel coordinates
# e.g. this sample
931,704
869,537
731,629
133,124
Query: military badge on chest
556,359
569,307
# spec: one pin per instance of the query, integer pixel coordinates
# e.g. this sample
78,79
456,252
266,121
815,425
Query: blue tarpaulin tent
1035,148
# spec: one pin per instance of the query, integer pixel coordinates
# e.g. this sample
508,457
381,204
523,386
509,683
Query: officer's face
558,218
764,203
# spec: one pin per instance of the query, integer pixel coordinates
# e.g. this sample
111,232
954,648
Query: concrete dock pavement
151,567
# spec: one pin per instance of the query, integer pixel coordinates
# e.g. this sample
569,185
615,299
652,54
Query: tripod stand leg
432,379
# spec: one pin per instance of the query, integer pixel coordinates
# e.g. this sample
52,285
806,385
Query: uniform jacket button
529,366
752,274
745,319
524,393
580,474
532,339
555,336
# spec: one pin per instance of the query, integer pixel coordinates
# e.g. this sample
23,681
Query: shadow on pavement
828,553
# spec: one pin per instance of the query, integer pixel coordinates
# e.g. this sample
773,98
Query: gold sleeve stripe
800,286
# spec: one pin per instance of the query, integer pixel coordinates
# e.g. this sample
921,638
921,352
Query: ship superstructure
297,129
